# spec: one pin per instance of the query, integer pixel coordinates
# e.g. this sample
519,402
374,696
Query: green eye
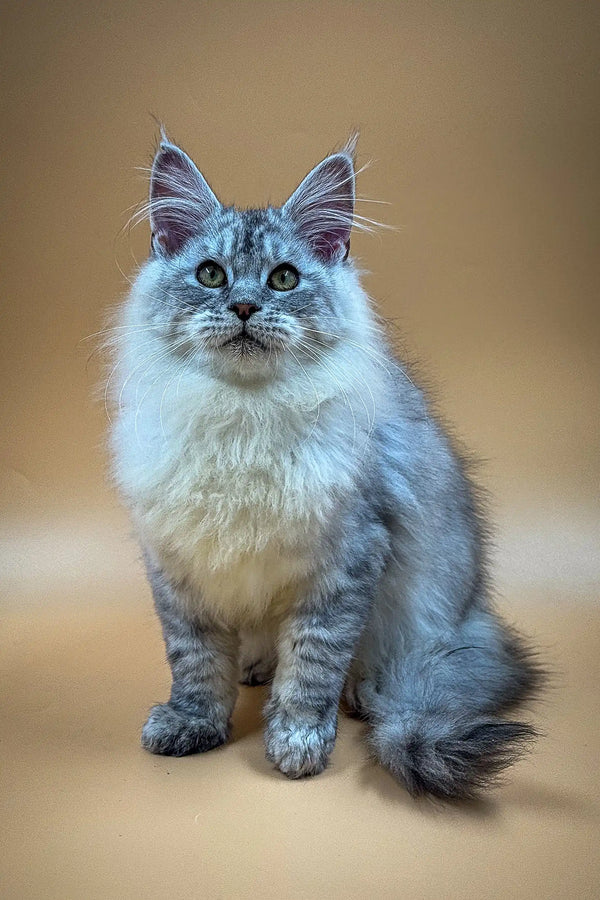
283,278
211,275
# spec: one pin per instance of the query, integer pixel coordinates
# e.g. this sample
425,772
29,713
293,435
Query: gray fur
202,656
393,609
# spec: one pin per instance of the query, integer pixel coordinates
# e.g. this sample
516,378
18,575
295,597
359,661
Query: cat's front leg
315,649
203,660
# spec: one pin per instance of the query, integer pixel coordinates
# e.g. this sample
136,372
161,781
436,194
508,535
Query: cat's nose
244,310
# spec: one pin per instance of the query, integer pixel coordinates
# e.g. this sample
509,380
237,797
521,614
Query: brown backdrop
481,121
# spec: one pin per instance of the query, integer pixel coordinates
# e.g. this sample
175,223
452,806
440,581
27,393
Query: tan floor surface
88,814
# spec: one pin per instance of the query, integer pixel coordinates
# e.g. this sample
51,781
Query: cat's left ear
323,206
180,199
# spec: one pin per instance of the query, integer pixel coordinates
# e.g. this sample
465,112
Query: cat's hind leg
358,692
258,656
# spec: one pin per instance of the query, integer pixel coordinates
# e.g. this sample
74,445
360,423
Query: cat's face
243,288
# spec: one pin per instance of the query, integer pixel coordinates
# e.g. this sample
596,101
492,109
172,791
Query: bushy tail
448,757
435,717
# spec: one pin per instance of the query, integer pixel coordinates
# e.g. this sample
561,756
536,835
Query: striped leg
315,650
203,661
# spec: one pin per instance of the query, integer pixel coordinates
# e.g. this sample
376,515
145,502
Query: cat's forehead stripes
250,232
248,236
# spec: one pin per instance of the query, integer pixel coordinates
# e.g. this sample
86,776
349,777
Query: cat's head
247,288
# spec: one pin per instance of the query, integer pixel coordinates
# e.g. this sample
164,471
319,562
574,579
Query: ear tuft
322,207
349,148
180,198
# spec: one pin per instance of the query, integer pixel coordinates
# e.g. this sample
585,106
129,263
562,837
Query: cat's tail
435,718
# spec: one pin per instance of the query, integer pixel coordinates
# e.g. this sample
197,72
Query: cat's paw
299,748
259,672
170,732
357,696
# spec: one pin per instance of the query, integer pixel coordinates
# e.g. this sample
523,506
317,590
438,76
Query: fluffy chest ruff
233,493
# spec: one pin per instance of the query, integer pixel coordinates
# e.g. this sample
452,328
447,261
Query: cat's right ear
180,199
322,206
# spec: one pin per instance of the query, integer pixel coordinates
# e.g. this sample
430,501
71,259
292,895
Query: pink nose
243,310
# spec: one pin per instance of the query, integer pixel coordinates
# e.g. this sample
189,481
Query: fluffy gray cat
304,519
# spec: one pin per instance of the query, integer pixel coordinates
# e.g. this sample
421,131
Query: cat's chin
244,345
246,359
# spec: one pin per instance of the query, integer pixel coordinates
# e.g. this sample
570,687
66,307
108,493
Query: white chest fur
232,489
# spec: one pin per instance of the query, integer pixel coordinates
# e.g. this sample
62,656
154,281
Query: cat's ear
323,205
180,199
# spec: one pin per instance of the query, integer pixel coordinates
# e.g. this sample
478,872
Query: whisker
377,357
186,368
312,353
131,328
346,321
157,357
185,361
319,401
145,362
120,361
356,379
179,303
139,402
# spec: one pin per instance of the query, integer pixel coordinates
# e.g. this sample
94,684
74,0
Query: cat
304,518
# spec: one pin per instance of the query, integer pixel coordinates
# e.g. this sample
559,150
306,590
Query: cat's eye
283,278
211,274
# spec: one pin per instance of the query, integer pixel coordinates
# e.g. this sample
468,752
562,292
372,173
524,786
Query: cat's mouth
244,341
